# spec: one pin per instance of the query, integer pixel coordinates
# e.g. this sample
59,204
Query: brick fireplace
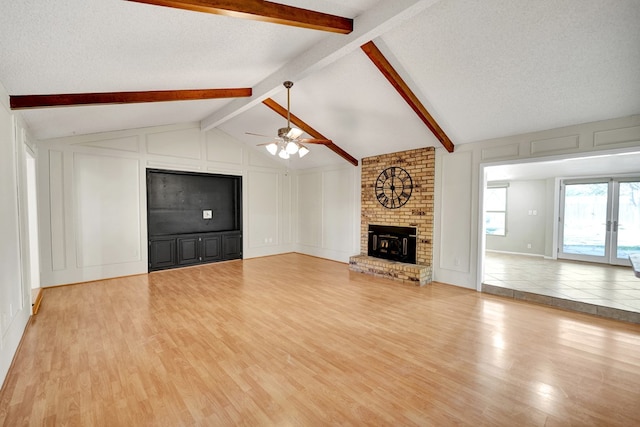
415,214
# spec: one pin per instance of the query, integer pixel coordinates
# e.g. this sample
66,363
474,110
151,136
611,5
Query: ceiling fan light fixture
294,133
283,154
303,151
292,147
272,148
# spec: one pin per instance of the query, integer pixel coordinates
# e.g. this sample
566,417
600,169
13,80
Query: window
495,201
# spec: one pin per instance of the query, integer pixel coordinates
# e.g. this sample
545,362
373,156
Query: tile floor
595,284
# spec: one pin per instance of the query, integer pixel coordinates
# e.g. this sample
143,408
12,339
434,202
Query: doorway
599,220
32,212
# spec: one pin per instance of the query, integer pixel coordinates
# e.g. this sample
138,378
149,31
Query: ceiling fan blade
266,143
70,99
258,134
315,141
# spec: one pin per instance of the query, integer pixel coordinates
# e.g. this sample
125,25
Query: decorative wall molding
107,226
179,143
189,167
456,208
221,150
616,136
553,145
57,210
129,144
501,152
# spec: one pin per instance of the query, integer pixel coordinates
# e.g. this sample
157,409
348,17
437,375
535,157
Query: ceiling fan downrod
288,84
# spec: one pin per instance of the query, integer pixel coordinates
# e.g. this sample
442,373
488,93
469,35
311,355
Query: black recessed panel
176,201
179,233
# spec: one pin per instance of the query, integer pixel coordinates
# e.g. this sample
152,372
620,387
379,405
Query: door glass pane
496,199
585,219
628,219
495,223
495,211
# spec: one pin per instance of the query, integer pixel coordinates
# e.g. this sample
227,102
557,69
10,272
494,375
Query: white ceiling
484,69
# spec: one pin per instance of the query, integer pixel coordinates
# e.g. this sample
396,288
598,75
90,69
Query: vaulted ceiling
482,69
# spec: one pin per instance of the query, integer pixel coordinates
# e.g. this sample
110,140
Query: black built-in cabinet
179,233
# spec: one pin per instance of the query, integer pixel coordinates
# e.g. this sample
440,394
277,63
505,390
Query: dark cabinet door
188,250
162,253
191,249
211,248
232,246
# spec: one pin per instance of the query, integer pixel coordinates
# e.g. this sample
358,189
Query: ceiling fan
288,141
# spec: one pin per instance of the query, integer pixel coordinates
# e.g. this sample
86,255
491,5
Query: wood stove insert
392,243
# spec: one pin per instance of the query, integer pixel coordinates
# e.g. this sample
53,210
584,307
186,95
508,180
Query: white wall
315,211
526,219
92,208
15,305
327,209
458,241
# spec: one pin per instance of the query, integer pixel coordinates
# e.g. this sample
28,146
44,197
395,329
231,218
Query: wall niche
193,218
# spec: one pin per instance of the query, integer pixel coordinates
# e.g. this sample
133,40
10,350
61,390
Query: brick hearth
399,271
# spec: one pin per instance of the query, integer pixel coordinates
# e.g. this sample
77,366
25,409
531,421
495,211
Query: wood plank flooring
296,340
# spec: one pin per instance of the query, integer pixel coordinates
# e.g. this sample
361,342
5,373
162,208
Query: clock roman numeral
383,199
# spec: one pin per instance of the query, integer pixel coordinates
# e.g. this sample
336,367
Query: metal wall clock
393,187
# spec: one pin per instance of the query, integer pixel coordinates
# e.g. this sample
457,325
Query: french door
600,220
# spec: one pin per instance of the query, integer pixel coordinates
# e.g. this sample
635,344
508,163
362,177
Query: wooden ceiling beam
309,130
264,11
403,89
18,102
381,18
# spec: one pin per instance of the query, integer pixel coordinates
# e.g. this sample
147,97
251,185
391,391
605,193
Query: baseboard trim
514,253
36,304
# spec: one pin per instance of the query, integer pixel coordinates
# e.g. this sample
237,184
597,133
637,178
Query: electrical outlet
207,214
528,245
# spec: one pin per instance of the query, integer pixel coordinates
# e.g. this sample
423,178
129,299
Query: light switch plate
207,214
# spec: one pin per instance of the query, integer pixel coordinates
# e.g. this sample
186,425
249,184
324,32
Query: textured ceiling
484,69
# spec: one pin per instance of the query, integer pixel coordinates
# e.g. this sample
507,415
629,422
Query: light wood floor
296,340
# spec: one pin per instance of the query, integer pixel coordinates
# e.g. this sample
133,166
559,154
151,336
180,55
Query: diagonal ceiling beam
265,11
308,129
378,20
18,102
403,89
